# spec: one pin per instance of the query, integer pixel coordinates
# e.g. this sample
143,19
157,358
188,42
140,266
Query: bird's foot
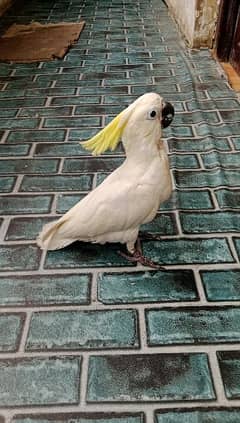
148,236
137,257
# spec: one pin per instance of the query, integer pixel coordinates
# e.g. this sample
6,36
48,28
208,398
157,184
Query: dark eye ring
152,114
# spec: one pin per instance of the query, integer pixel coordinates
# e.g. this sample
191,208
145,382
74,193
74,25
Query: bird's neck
143,149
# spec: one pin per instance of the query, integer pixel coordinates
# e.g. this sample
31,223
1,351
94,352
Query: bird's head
142,121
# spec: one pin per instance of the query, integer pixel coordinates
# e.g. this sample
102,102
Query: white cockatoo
131,195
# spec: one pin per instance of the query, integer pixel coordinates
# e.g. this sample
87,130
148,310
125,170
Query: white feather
129,197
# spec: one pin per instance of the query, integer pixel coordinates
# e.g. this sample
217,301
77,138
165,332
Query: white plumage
132,194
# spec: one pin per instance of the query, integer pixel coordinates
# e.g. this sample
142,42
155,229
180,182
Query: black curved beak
167,114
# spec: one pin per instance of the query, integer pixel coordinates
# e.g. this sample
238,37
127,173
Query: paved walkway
81,332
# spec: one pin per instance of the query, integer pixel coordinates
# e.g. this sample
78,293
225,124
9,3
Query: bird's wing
112,207
119,204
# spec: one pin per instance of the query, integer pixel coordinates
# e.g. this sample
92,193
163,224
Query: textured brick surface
36,290
85,336
81,418
76,330
192,326
149,378
145,287
229,363
10,331
198,416
39,381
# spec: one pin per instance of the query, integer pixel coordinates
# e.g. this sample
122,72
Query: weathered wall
196,19
205,22
4,4
183,12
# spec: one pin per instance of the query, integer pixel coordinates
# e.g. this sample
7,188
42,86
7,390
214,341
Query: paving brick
193,326
199,145
237,245
80,83
75,100
184,161
41,92
66,201
67,149
11,326
123,100
196,117
81,418
19,123
12,93
26,228
106,164
223,160
209,222
218,130
230,115
229,362
8,113
199,416
82,134
213,178
19,257
163,224
36,290
123,89
71,122
188,200
155,377
27,85
7,183
236,142
39,136
74,330
98,109
221,285
228,199
46,111
28,166
14,150
24,204
82,255
39,381
56,183
210,104
186,251
179,131
147,287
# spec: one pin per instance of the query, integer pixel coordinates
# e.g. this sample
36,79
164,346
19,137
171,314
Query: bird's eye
152,114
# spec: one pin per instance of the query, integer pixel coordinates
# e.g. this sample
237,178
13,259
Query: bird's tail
50,237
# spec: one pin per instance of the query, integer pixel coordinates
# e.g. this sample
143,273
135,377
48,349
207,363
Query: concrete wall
183,11
196,19
4,4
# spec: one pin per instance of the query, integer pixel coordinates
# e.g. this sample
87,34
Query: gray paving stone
81,418
73,330
36,290
193,326
39,381
155,377
146,287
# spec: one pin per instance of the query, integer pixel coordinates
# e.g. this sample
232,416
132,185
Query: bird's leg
148,236
136,255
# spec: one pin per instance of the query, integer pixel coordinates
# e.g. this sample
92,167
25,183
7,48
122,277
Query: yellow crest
107,138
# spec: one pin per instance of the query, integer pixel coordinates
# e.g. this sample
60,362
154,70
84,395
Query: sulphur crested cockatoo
129,196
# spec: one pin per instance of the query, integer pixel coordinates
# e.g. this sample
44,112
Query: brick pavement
85,337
